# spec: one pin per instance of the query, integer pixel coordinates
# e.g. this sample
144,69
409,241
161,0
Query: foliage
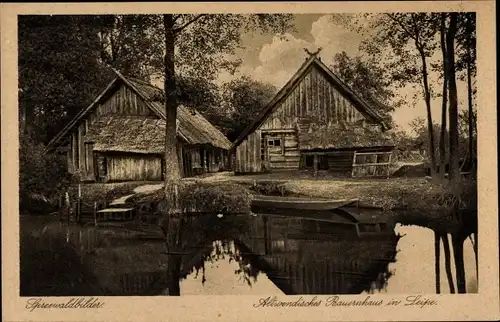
245,98
270,188
370,80
59,72
417,140
216,198
127,43
42,176
202,197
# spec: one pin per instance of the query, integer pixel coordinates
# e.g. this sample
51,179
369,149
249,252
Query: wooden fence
371,164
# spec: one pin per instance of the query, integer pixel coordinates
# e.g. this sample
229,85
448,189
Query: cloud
282,56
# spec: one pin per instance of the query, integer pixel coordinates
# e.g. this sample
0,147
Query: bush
200,197
42,177
270,188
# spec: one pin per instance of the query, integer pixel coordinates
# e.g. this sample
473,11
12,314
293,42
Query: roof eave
77,117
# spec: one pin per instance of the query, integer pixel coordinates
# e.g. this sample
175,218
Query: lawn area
372,191
415,200
412,198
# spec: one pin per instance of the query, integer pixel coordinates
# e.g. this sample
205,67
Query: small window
270,142
277,142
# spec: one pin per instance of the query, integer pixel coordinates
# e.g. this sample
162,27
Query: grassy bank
413,200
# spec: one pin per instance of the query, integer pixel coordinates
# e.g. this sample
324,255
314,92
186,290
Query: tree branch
412,36
176,17
184,26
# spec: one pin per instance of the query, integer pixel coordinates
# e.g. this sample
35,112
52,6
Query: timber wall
134,167
313,96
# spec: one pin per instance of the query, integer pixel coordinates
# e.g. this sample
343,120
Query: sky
271,59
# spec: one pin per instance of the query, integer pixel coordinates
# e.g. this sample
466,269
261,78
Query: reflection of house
121,136
315,121
299,262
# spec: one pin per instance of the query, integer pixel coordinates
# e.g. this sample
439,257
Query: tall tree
454,172
59,70
245,98
370,80
442,142
410,37
466,43
203,39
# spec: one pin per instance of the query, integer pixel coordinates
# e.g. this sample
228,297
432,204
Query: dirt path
140,189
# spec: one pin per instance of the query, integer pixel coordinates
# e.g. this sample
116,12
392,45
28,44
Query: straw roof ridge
315,135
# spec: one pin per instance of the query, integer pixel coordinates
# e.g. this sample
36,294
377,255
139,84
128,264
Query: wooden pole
95,213
61,207
315,165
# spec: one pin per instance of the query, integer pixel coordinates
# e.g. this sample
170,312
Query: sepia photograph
260,154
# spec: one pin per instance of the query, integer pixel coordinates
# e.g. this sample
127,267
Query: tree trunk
454,172
471,115
475,256
458,254
172,171
447,262
173,227
442,138
427,94
437,255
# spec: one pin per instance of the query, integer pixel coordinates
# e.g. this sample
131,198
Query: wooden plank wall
291,156
122,102
314,96
340,162
132,167
248,154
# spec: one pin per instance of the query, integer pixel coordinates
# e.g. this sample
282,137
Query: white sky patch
281,58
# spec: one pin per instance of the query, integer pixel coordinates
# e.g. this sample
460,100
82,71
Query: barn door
275,151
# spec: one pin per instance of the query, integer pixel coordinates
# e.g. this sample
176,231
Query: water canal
232,255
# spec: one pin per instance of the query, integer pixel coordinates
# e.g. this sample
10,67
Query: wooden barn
121,136
315,122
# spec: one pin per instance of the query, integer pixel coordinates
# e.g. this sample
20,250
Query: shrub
205,197
270,188
42,177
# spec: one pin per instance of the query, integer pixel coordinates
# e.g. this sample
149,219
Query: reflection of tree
222,250
195,240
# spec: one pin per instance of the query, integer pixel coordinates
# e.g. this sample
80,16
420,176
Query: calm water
229,256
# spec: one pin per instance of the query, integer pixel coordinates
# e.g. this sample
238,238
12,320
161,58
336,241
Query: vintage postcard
261,161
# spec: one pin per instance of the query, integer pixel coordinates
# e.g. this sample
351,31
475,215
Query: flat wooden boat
275,202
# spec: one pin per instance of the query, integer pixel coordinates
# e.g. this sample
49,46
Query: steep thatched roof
317,136
147,135
192,126
127,134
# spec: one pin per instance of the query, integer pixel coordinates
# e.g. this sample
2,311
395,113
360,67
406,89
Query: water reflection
217,256
413,270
